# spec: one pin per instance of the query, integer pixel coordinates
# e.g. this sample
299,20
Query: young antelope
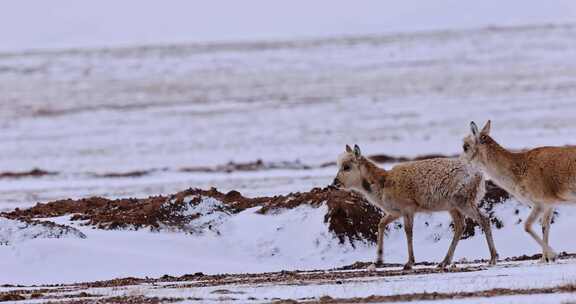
541,177
440,184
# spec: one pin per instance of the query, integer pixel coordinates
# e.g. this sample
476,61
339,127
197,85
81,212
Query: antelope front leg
546,221
534,215
408,228
475,214
458,220
387,219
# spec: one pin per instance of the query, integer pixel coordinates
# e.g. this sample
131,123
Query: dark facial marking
465,147
366,185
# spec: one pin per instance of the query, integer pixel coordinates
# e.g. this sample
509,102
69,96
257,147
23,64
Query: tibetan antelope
541,177
440,184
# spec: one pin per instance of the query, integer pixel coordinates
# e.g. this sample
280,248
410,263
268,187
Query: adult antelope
541,177
440,184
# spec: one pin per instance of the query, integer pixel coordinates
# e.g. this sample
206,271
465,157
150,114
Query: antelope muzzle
336,183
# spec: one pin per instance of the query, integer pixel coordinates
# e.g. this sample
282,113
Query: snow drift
14,231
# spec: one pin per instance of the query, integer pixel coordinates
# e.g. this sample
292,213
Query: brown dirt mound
349,217
152,212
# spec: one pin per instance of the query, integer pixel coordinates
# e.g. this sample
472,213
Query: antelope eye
465,147
483,139
346,167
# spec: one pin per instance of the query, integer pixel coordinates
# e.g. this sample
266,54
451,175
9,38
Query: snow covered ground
249,242
168,107
509,282
159,109
508,275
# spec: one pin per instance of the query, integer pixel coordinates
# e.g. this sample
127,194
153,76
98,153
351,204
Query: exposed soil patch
56,294
570,288
31,173
137,173
257,165
123,299
11,297
101,212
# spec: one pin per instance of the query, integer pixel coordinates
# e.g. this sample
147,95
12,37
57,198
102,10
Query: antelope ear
486,129
348,149
474,129
357,151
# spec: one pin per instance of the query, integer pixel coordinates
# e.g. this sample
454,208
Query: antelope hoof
443,265
493,261
548,257
408,266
